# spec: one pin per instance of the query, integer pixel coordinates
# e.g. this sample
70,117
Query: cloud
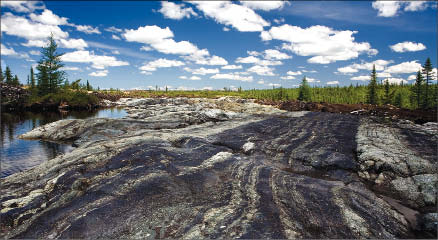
240,17
113,29
274,84
393,8
7,51
414,6
354,68
202,71
322,43
383,75
288,77
264,5
102,73
396,80
232,76
361,78
22,27
404,67
257,61
214,60
98,62
387,8
176,11
146,48
232,67
47,17
115,37
275,54
71,69
333,83
279,20
23,6
161,40
347,70
261,82
87,29
195,78
407,47
412,77
294,73
33,52
250,59
262,70
161,63
115,52
73,43
182,77
226,29
312,80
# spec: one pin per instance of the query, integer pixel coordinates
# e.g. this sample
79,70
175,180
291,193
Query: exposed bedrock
222,168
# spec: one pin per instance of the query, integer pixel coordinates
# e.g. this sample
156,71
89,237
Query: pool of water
17,155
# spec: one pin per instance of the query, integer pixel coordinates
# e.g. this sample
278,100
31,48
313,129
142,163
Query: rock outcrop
225,168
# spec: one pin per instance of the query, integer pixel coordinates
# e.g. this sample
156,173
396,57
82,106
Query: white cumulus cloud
7,51
407,47
262,70
332,82
176,11
404,67
161,63
232,67
233,76
323,44
264,5
87,29
240,17
97,61
102,73
22,27
49,18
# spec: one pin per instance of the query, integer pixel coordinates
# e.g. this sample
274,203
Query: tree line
50,78
423,94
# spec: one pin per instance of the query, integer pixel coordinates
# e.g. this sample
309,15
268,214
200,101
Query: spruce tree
32,78
304,91
50,67
2,78
372,87
427,72
15,81
418,89
387,97
8,76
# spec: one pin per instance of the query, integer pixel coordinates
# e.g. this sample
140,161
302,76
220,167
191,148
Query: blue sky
211,45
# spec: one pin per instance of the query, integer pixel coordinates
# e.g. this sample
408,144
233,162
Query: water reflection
17,155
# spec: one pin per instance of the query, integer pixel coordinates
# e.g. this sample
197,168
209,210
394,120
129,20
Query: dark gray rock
198,168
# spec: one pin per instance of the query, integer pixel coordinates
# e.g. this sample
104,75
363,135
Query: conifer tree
418,89
427,72
32,78
88,86
50,74
372,87
8,76
2,78
304,91
387,97
15,81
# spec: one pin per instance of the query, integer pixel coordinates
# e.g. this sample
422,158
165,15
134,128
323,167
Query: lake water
17,155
